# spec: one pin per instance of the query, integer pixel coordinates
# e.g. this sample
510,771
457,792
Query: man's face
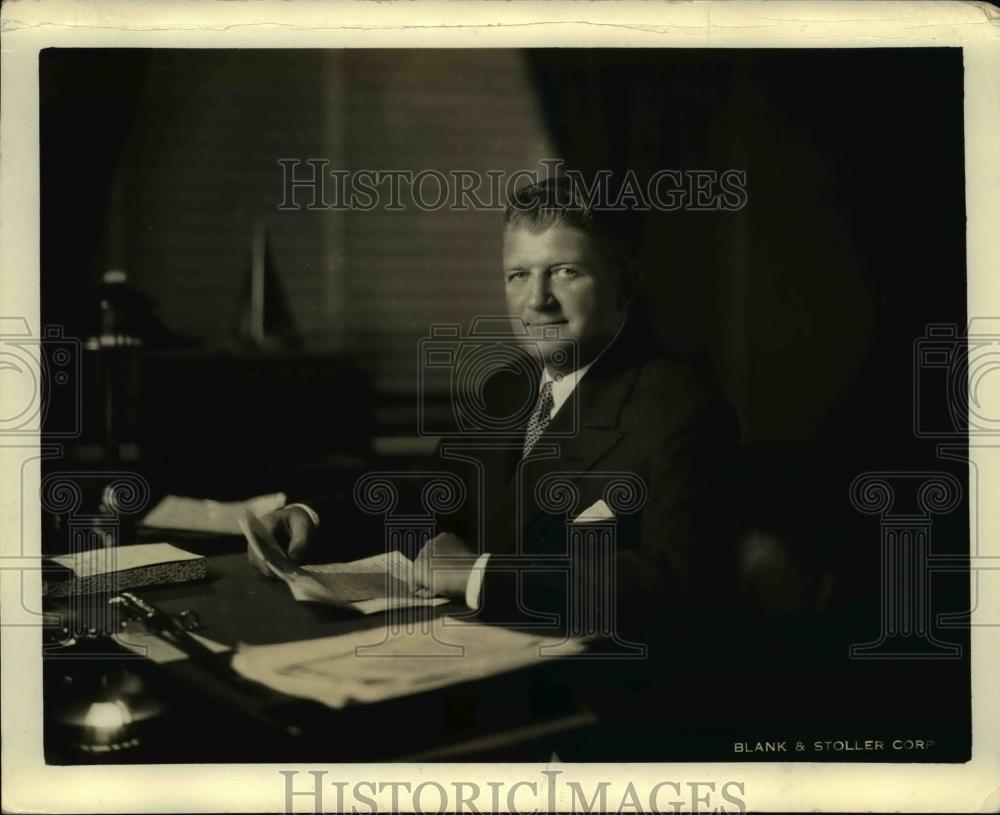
561,278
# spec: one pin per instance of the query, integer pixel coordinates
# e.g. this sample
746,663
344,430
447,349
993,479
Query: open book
373,584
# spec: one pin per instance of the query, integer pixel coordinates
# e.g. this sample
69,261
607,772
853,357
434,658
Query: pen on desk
158,622
169,628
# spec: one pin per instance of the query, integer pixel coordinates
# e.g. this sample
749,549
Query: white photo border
27,27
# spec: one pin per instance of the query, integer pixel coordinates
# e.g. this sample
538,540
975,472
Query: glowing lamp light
108,715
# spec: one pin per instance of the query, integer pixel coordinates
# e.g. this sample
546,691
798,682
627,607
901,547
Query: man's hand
292,528
443,567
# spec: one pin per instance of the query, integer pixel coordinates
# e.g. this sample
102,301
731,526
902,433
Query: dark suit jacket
646,435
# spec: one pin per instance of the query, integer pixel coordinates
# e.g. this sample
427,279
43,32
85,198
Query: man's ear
630,284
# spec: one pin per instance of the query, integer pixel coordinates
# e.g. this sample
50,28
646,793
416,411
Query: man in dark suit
621,437
608,508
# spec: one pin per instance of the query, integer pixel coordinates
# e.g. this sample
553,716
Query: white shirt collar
564,386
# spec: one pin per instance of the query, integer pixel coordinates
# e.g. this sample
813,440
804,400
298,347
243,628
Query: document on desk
205,515
370,585
394,660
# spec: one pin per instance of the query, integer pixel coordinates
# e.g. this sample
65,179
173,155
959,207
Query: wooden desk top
492,717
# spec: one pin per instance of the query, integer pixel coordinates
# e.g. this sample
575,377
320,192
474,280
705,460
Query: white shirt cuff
473,589
308,511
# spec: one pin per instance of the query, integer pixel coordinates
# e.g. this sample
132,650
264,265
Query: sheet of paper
391,661
377,604
374,583
206,515
377,576
122,558
369,585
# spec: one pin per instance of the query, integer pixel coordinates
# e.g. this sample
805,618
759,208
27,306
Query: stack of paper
392,661
125,567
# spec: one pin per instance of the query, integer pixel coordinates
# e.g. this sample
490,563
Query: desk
521,715
674,706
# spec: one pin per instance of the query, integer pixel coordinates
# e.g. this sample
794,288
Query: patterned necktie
540,418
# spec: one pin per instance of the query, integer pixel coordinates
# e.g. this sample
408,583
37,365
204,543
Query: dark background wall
853,234
804,304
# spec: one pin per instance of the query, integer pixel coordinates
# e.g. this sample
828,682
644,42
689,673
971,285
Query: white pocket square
598,511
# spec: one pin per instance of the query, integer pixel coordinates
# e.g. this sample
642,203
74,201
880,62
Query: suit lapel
579,436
